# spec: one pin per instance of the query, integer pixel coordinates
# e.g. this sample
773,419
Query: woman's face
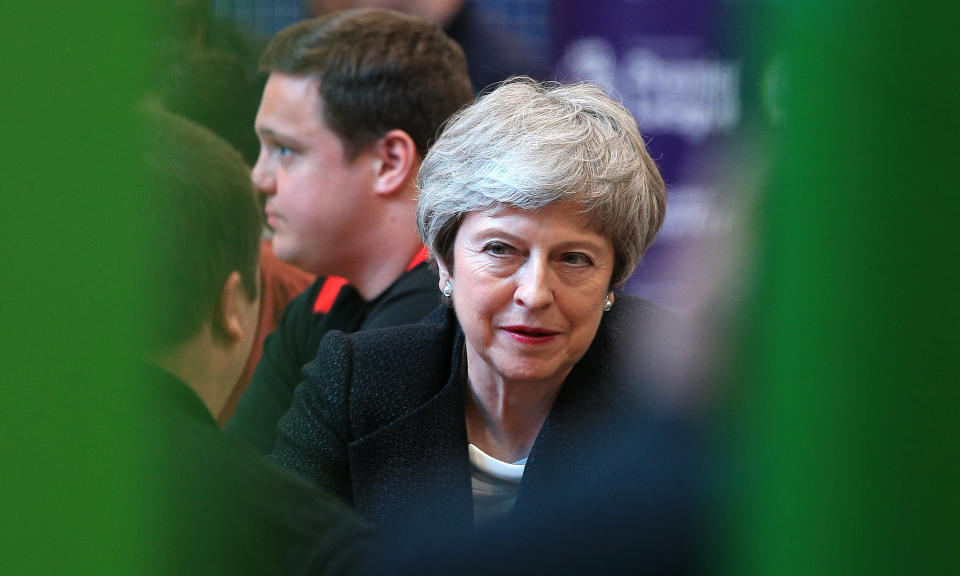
528,290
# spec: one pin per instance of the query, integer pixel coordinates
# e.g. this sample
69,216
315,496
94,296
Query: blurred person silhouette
352,103
208,69
210,87
493,52
638,505
205,74
217,507
194,23
537,203
280,284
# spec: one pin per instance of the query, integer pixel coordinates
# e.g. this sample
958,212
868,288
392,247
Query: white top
495,484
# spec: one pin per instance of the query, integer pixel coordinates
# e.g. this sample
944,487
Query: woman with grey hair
536,203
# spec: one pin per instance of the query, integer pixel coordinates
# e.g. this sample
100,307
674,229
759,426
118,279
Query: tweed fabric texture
297,337
379,418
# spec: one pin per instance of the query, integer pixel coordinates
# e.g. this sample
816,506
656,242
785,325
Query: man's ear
228,321
397,162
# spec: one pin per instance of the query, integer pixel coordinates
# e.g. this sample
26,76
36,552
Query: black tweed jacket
379,417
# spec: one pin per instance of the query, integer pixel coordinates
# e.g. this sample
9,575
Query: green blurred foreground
843,421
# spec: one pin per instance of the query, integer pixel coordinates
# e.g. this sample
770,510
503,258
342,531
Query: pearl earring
448,289
607,305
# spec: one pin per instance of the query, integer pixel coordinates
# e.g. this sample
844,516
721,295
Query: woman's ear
444,274
608,302
397,162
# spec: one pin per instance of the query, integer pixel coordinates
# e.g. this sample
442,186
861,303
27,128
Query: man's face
316,197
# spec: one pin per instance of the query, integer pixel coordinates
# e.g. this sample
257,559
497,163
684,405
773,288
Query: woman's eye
577,259
497,249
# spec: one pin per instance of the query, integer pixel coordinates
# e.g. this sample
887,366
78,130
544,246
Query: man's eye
577,259
281,151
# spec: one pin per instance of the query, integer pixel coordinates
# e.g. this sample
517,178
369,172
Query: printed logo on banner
691,97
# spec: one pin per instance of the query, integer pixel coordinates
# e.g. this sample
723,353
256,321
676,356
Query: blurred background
808,148
700,75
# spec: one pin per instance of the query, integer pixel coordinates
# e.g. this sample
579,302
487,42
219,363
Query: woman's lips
530,334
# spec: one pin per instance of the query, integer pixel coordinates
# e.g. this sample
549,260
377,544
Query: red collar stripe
421,256
328,294
332,285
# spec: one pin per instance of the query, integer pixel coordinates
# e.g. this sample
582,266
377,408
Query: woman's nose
534,285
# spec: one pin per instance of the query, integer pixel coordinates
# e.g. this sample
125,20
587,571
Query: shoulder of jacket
396,370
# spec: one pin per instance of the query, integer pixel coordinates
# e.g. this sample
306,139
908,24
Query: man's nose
262,176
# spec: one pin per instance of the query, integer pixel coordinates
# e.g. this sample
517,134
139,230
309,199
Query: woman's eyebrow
495,230
579,243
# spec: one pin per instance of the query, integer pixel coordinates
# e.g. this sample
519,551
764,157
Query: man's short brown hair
378,70
203,225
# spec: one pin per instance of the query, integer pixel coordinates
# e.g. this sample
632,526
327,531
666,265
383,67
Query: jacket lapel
585,417
415,471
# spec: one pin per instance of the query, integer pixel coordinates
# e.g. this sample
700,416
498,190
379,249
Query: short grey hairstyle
529,145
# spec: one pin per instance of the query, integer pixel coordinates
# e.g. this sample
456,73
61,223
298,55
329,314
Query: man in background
215,506
351,105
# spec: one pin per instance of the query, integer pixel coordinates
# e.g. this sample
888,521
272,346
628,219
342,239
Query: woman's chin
531,372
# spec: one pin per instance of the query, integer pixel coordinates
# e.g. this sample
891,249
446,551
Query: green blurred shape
847,413
70,296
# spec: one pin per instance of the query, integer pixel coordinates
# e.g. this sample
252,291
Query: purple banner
668,62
